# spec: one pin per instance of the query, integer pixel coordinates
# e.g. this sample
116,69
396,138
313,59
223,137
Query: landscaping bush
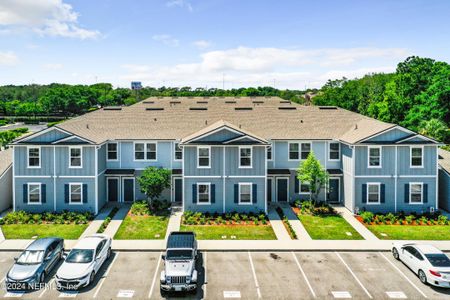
107,220
198,218
404,219
309,207
65,217
143,208
286,223
367,216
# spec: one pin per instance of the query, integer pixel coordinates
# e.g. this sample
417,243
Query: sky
216,43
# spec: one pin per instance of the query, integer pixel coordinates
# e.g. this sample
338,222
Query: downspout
54,178
224,183
396,179
14,177
96,179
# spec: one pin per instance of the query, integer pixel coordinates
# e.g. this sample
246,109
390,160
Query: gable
71,140
392,135
50,136
219,136
417,139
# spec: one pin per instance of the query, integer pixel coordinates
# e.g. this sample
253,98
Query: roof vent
287,108
202,102
285,101
258,101
198,108
154,108
243,108
112,108
175,102
328,107
148,102
230,102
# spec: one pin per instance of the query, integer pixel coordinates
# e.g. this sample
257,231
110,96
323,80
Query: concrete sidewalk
298,227
117,220
362,230
175,220
277,225
97,222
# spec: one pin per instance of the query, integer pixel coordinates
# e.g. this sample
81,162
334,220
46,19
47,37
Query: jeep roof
181,240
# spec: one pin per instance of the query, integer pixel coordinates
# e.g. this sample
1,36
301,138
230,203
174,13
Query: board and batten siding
164,155
444,190
280,153
49,137
347,167
258,162
429,161
190,162
387,161
390,136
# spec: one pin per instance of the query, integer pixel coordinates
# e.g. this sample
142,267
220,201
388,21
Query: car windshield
179,254
29,257
438,260
81,256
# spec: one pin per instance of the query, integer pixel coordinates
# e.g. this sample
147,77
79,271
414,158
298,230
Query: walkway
97,222
298,227
175,219
117,220
362,230
277,225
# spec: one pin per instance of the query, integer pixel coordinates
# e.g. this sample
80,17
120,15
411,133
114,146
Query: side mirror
16,258
163,257
64,255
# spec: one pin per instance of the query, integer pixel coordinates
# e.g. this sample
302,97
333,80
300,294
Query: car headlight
168,279
188,279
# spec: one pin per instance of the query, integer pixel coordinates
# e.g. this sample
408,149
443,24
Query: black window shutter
254,193
194,193
213,193
85,193
297,186
407,193
425,193
25,193
66,193
382,193
43,193
236,193
364,193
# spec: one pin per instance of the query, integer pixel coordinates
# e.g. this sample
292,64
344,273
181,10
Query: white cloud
45,17
53,67
166,39
180,3
8,58
202,44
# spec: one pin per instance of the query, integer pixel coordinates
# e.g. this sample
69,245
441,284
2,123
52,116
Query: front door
282,189
113,189
178,183
269,190
128,189
333,193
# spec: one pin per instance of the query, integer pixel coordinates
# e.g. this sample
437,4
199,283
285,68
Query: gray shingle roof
172,118
444,160
5,160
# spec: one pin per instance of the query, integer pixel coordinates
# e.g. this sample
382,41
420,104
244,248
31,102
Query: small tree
311,171
154,181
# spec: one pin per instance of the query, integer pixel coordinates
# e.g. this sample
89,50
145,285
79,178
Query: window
203,193
334,151
415,192
373,193
34,193
75,157
145,151
245,193
203,154
76,190
416,157
374,157
178,152
245,157
306,148
112,151
305,187
269,153
293,151
34,157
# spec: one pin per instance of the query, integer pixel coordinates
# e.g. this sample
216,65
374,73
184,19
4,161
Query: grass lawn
27,231
142,228
242,232
329,227
410,232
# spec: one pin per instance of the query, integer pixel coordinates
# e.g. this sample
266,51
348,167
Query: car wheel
395,254
422,277
91,278
109,254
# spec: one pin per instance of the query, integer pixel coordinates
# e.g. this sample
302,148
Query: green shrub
442,220
409,219
367,216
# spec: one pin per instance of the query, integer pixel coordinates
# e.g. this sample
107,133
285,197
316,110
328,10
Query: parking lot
251,275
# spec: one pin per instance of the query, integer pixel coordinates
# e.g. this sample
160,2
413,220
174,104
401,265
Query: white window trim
28,157
70,157
271,151
117,151
175,151
289,151
421,193
70,193
251,193
379,193
28,193
329,151
251,157
368,157
209,157
145,151
300,188
209,193
410,157
300,150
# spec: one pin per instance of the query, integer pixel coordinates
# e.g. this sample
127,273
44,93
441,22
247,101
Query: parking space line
154,276
205,276
46,289
354,276
304,275
254,275
404,276
102,280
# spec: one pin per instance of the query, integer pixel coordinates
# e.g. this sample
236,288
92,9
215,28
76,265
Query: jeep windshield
179,254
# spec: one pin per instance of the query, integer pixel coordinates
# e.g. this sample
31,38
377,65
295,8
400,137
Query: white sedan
428,262
83,262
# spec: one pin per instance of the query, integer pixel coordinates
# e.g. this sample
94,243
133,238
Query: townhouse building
226,154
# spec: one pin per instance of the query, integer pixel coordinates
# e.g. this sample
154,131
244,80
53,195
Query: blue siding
387,161
88,162
444,190
429,161
219,136
101,191
281,150
390,136
101,159
20,157
48,137
190,162
258,162
164,155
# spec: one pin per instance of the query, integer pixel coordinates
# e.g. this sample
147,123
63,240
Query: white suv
83,262
428,262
